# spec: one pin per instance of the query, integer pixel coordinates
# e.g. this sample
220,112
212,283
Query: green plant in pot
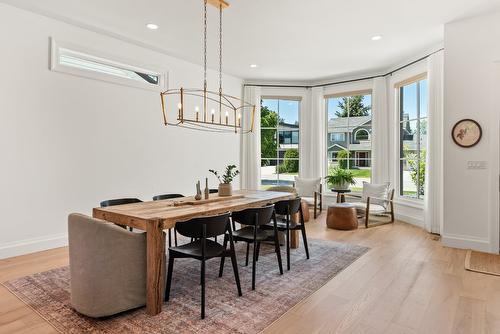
225,188
340,179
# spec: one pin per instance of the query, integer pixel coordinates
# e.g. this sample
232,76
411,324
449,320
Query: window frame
399,103
368,135
338,93
59,48
337,133
278,159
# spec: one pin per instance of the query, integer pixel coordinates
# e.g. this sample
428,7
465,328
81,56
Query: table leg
339,198
342,198
294,239
155,267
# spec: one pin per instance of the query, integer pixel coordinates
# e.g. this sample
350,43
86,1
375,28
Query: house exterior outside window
279,141
349,134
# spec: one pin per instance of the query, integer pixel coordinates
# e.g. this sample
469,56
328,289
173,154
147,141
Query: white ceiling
288,39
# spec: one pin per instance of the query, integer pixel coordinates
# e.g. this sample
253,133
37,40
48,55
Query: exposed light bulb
196,108
212,111
179,105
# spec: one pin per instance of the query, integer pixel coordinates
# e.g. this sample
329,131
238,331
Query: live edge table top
173,210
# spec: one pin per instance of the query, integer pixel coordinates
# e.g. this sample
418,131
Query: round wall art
466,133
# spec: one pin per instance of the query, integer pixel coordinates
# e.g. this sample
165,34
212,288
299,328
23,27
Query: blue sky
287,109
410,100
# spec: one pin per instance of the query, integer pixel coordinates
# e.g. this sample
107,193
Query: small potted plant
225,188
340,179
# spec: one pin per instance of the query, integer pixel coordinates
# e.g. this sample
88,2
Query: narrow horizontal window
69,60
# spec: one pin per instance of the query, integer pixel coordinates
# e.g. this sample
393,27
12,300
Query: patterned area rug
48,293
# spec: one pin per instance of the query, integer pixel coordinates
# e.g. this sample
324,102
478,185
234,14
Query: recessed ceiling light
254,65
376,38
152,26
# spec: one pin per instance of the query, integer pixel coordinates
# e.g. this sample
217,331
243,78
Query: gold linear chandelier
203,109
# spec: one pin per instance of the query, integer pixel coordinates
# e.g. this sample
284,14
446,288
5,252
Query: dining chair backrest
166,196
213,225
119,201
286,207
247,217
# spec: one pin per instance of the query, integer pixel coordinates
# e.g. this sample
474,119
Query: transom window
279,141
413,104
349,128
74,60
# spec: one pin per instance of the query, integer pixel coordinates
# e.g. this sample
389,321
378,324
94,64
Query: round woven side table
342,216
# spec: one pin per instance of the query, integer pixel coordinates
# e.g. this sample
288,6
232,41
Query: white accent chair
376,200
311,191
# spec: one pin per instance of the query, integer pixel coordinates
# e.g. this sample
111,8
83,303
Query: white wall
68,142
472,47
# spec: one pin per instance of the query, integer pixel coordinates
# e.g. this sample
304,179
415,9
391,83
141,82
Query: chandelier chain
220,48
205,46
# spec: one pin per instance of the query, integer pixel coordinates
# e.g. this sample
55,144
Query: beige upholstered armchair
311,191
376,201
107,267
305,206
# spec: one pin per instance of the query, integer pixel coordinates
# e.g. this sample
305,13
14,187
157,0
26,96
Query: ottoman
342,216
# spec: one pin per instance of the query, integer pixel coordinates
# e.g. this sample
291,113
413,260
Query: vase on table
225,189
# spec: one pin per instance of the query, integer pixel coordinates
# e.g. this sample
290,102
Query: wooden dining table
156,216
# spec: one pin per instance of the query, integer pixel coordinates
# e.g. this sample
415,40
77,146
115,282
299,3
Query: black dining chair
286,209
166,196
203,249
120,201
163,197
253,219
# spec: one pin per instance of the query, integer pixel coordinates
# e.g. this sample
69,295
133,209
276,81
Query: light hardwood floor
406,283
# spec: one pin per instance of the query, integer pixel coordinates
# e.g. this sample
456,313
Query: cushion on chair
376,190
307,187
374,208
308,200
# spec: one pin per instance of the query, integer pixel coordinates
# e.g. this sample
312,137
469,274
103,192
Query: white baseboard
32,245
465,242
417,221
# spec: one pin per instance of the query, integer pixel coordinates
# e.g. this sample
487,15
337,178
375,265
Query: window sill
409,202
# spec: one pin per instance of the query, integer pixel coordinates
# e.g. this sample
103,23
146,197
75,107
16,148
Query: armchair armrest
381,199
318,199
353,195
370,197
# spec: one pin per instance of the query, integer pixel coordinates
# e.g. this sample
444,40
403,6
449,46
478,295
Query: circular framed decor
466,133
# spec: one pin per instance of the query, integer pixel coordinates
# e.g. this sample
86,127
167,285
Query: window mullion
418,140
